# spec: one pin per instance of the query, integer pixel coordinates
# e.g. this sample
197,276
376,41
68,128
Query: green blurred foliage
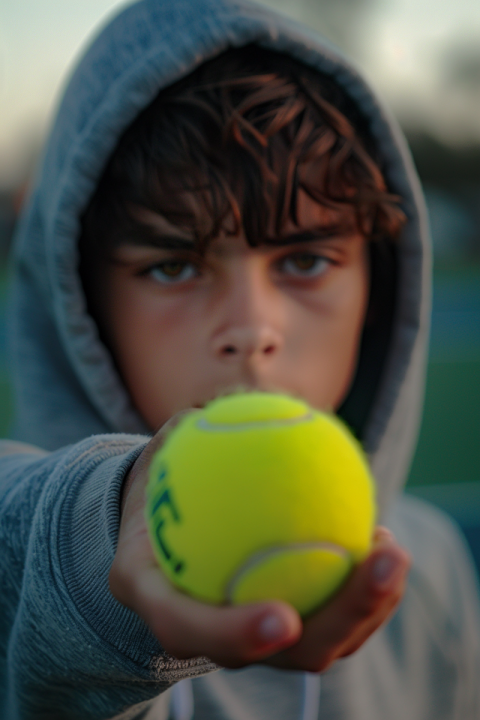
449,444
5,404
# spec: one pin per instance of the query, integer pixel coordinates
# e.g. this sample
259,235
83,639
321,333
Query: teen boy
255,224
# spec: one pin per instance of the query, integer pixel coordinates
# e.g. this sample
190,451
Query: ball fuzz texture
259,497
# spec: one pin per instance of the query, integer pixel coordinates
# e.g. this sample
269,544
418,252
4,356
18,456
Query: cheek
332,329
153,343
144,322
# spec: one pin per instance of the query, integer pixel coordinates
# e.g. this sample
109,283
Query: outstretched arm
68,649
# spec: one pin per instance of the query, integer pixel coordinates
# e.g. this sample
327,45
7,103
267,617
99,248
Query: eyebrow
175,242
164,242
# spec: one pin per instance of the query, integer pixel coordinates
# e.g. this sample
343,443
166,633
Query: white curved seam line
262,555
204,424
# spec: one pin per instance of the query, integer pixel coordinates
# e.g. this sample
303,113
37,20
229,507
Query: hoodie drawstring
182,699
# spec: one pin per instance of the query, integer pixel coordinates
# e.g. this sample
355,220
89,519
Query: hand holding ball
259,497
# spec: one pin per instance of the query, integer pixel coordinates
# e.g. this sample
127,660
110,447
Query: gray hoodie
67,648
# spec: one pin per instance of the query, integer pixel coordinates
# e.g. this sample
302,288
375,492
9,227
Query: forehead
180,230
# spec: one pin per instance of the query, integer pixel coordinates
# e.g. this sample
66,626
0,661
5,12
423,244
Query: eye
305,265
173,271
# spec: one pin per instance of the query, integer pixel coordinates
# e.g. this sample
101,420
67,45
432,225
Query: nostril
247,348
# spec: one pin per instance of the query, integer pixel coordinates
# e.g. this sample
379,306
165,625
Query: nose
247,342
250,323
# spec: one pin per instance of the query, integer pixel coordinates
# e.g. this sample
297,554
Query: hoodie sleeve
68,648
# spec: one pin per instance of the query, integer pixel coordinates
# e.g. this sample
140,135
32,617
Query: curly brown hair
239,133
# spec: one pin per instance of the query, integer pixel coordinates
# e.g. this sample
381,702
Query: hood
65,384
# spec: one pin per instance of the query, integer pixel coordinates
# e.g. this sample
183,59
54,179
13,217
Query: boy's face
184,327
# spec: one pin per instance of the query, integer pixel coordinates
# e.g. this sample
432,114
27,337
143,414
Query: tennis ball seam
204,424
263,555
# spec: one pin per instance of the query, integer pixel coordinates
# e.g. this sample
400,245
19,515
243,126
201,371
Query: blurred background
423,57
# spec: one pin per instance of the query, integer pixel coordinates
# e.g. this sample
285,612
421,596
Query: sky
412,51
425,59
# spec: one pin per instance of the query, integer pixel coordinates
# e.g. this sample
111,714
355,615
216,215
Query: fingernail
384,569
383,534
273,628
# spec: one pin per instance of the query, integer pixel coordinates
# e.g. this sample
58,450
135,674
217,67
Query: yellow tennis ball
259,497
